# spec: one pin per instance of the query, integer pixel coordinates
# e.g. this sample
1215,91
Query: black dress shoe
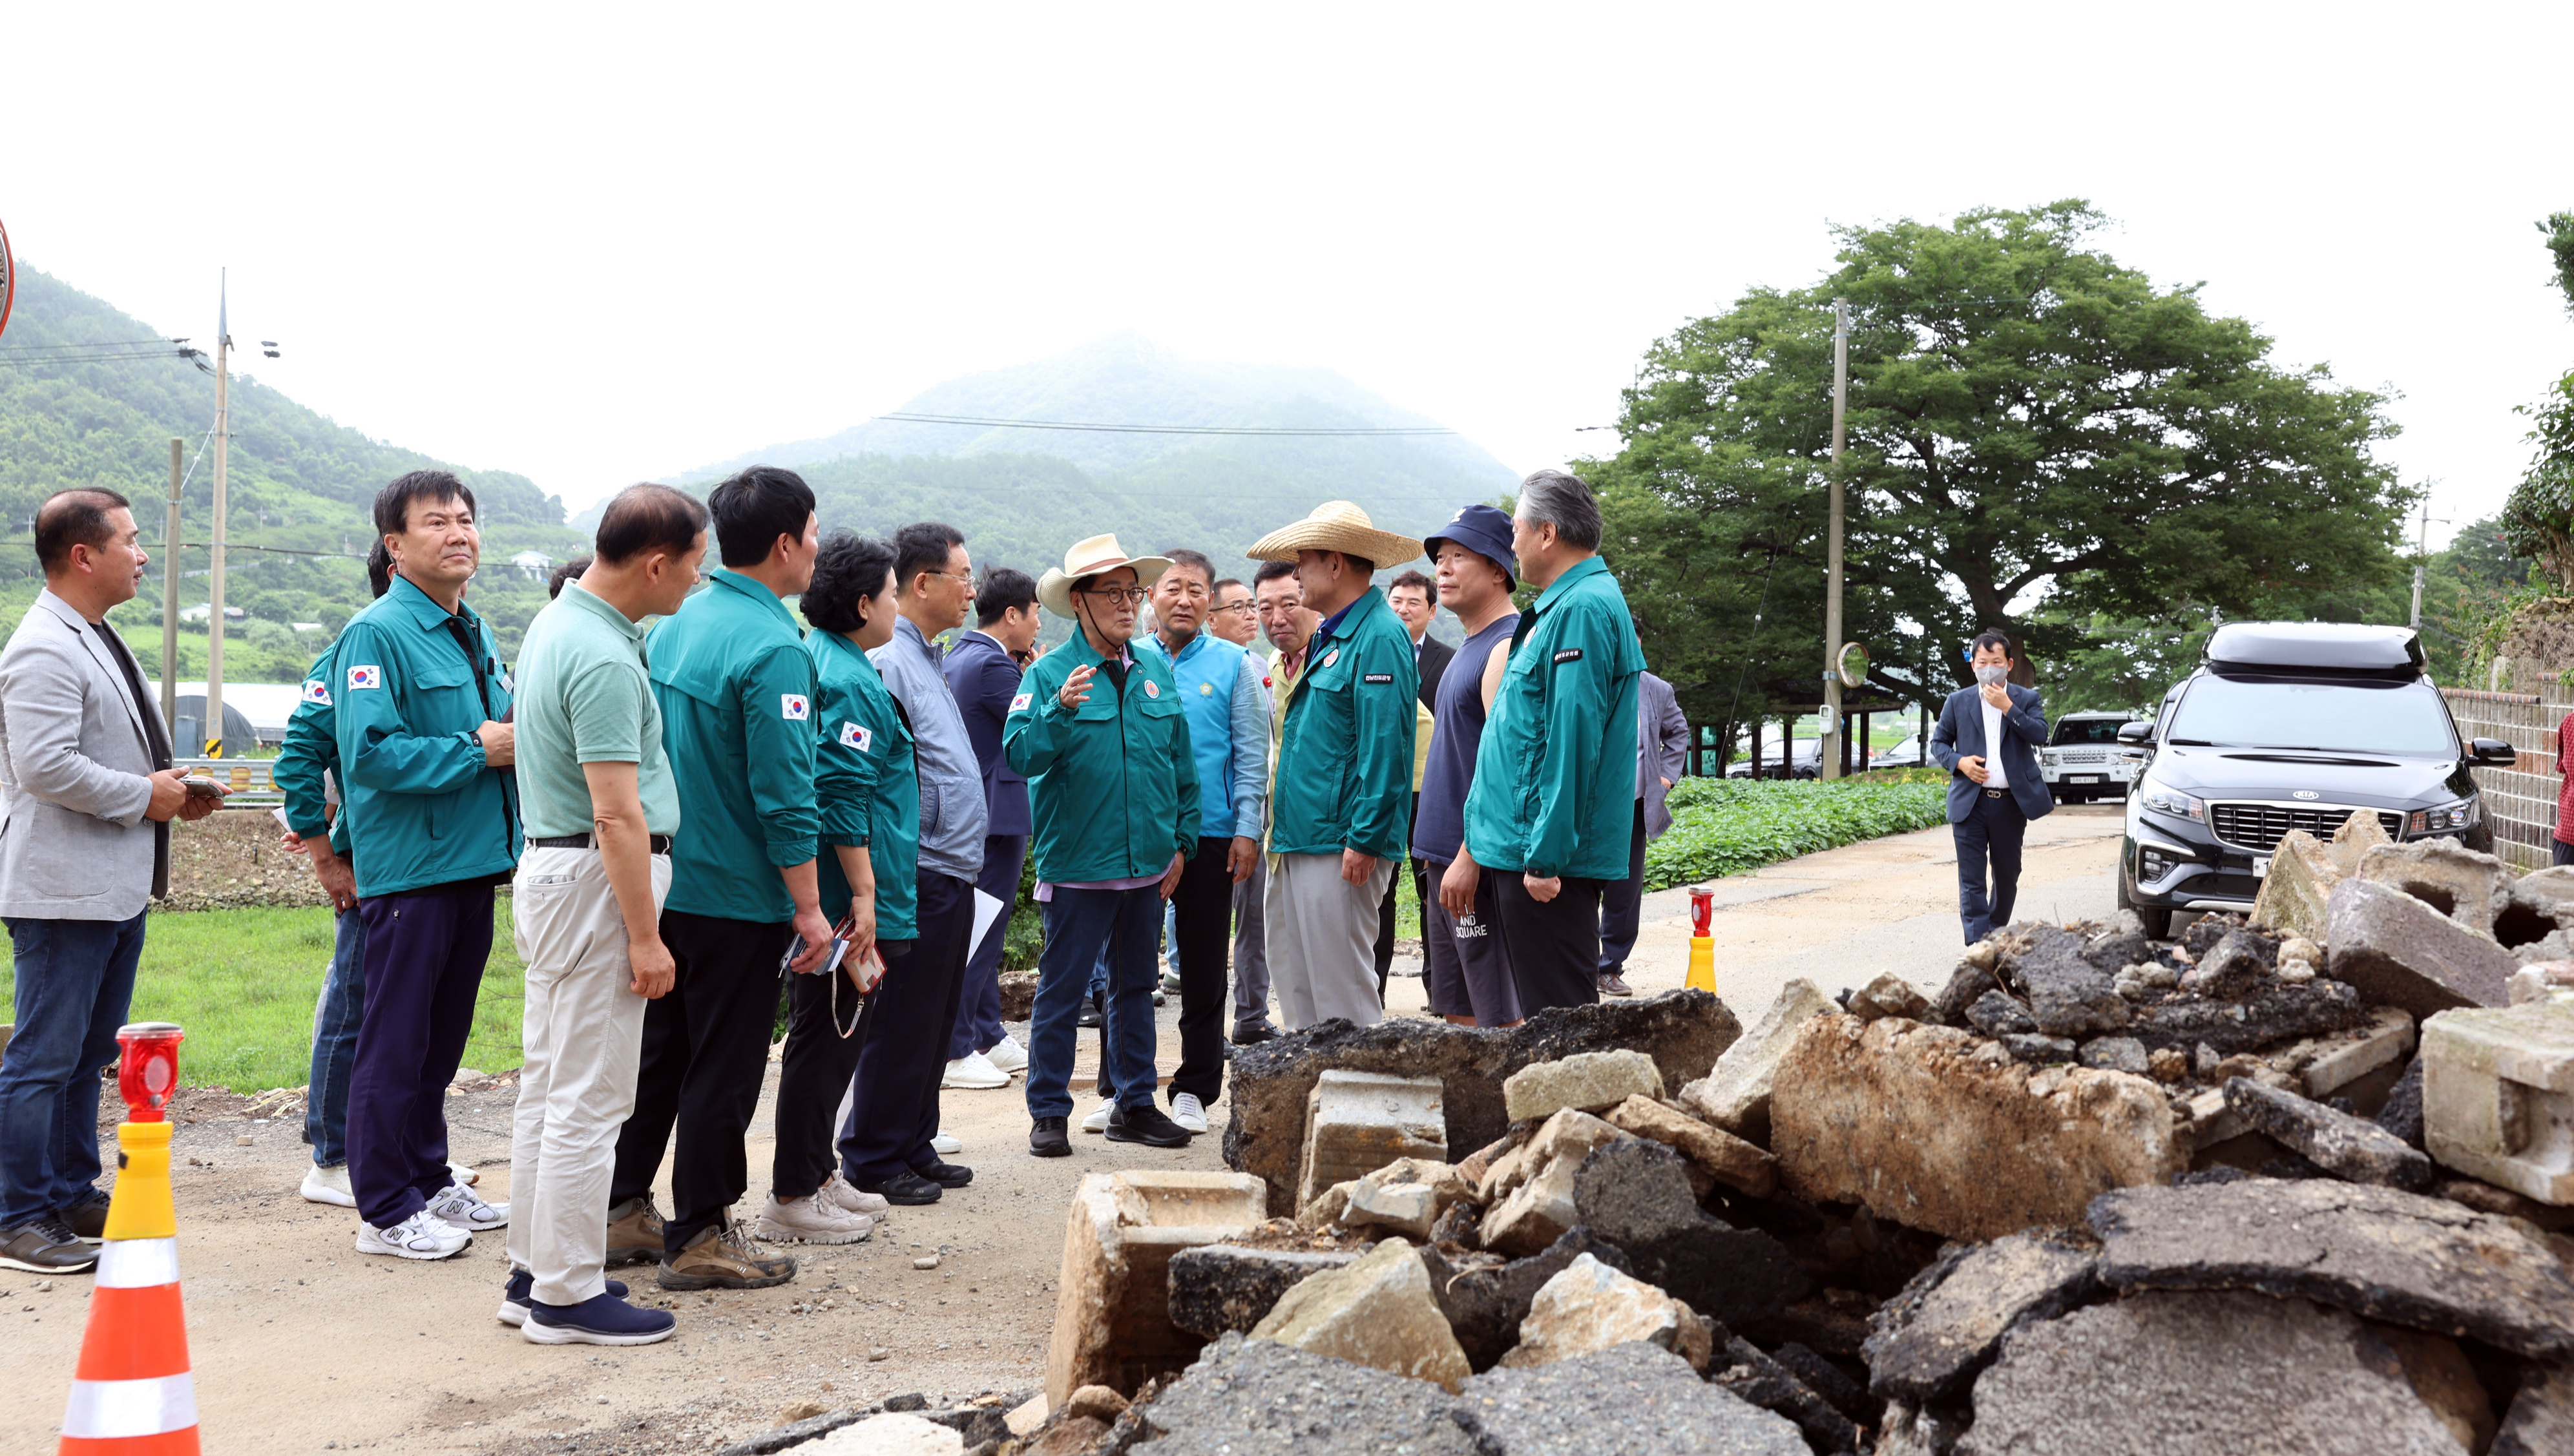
1253,1035
44,1246
1091,1015
86,1217
947,1176
906,1188
1047,1140
1147,1125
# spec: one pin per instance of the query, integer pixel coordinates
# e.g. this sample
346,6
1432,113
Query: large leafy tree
2039,440
2539,518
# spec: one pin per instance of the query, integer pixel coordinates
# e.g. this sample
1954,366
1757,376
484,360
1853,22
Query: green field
243,983
1723,826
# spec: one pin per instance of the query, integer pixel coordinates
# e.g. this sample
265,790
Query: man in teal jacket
736,693
309,752
1553,799
1099,732
1341,811
432,814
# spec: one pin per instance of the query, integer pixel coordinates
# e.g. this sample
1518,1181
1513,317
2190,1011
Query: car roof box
2335,649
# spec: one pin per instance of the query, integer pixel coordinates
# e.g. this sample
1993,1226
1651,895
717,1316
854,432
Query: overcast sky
600,249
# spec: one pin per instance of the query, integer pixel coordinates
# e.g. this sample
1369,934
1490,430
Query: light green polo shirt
586,696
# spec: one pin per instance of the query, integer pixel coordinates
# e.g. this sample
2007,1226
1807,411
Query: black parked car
2291,725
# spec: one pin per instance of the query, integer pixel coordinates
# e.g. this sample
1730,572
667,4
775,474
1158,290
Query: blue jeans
335,1042
1079,925
75,988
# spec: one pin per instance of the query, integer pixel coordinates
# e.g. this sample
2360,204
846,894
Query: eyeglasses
1131,595
965,577
1246,608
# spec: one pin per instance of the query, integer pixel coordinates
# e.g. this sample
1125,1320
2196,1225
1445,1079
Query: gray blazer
1662,750
76,756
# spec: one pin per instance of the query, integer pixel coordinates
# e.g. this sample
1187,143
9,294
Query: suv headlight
2172,801
2458,815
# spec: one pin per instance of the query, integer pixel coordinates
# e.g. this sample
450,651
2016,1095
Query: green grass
1723,826
243,983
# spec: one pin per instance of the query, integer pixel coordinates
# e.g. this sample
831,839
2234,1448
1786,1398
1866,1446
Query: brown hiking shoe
633,1233
724,1258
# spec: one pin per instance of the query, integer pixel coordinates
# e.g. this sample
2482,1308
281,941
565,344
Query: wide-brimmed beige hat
1336,526
1090,557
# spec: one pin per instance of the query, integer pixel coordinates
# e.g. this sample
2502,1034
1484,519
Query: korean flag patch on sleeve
793,707
1020,702
855,735
317,690
366,676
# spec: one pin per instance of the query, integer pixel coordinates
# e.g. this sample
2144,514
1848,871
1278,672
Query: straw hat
1336,526
1090,557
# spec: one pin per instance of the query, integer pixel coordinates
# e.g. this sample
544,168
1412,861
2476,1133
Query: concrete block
1736,1095
2300,883
1539,1208
1591,1307
1376,1312
1221,1287
1682,1031
2498,1096
1909,1120
2538,980
1739,1165
2326,1064
1485,1297
1890,996
1113,1323
2400,952
2467,887
1357,1122
1591,1081
1405,1197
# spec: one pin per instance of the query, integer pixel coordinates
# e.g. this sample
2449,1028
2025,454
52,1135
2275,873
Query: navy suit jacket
1961,734
984,681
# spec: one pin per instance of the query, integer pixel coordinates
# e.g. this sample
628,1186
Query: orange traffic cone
132,1393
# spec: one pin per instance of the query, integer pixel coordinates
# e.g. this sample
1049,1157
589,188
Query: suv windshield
2271,713
2086,730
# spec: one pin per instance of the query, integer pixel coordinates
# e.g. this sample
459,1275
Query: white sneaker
813,1220
327,1186
424,1235
1008,1054
1097,1122
839,1191
465,1208
974,1071
945,1144
1188,1111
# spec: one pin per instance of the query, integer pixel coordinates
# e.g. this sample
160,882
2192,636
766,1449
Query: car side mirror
2493,752
2136,733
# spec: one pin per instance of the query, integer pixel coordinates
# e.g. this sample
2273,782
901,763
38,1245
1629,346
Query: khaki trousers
583,1035
1322,939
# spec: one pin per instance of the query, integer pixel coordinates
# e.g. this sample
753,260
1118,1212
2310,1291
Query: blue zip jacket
423,805
1228,731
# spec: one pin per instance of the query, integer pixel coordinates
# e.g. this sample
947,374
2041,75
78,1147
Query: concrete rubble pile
2297,1181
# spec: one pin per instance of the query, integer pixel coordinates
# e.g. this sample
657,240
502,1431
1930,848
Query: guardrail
248,780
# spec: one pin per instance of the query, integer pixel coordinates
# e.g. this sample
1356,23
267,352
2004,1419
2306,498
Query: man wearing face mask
1988,739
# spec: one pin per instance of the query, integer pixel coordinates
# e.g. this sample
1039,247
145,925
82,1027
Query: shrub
1723,826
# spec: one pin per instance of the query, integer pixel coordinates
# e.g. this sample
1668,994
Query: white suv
2084,758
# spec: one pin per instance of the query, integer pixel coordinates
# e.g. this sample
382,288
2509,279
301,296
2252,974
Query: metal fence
248,780
2520,802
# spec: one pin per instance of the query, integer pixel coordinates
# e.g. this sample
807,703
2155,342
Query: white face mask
1992,675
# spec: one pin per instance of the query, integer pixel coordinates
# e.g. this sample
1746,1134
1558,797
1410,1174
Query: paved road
1842,916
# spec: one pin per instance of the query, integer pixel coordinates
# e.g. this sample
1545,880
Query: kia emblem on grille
2303,793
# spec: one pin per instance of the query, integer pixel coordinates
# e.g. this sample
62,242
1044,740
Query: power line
1402,431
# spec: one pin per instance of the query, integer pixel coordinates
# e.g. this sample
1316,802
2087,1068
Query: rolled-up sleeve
1250,722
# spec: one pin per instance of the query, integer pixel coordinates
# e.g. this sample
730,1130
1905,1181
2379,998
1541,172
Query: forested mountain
300,487
1021,496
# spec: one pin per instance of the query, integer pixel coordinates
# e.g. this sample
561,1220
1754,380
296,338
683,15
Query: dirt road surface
299,1344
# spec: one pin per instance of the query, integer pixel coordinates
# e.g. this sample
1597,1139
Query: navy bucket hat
1485,530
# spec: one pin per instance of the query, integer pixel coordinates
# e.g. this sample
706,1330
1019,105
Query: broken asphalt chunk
1927,1343
2340,1143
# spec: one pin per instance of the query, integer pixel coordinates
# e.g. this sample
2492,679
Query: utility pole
2421,562
1827,750
213,725
170,603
